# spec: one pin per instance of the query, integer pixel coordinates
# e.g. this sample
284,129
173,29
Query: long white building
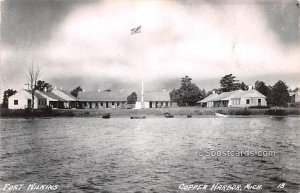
238,98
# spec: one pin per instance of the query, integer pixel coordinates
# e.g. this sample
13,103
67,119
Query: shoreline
177,112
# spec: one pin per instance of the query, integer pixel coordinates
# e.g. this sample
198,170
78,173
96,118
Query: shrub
259,107
279,112
239,111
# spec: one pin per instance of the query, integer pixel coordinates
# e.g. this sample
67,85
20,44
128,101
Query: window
101,104
112,103
39,102
15,102
247,101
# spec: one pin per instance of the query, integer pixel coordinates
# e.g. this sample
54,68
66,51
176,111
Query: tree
42,85
6,94
132,98
261,87
75,91
228,83
32,77
242,86
188,93
280,94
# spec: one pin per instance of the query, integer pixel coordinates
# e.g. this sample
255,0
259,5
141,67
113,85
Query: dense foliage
188,93
279,94
229,83
75,91
42,86
132,98
6,94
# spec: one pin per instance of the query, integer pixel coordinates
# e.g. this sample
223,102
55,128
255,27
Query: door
150,104
29,103
259,102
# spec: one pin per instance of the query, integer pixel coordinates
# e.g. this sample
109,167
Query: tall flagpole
135,31
142,94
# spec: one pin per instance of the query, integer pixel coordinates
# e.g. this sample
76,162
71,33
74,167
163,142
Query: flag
136,30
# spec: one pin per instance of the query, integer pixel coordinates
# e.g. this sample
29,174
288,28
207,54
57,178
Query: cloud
203,40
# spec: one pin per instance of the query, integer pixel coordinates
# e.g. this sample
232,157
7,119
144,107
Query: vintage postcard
149,96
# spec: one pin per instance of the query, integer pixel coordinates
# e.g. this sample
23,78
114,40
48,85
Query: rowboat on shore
220,115
168,115
106,116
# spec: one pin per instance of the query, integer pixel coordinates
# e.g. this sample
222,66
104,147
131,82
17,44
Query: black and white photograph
149,96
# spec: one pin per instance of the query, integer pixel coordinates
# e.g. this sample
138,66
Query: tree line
188,94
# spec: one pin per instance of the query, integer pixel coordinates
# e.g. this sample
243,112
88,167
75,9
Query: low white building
23,99
102,99
53,100
68,100
154,99
238,98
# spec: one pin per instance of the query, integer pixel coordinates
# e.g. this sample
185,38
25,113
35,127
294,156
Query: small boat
138,117
221,115
106,116
189,116
168,115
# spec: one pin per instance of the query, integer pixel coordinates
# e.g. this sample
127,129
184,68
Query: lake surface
151,155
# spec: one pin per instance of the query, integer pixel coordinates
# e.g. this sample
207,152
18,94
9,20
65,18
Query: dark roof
103,96
155,96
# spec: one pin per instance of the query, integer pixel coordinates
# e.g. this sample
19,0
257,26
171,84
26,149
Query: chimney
122,90
45,89
250,87
99,90
213,92
61,88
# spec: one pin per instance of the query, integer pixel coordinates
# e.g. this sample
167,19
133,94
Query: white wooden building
154,99
102,99
238,98
68,100
23,99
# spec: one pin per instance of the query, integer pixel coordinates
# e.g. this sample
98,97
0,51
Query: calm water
151,155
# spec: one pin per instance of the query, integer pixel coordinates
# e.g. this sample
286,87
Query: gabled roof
155,96
69,94
233,94
53,96
247,94
64,95
29,92
37,95
103,96
217,97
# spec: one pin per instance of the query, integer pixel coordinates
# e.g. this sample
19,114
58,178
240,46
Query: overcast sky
88,42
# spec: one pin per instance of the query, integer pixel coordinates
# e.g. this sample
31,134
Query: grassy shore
176,111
